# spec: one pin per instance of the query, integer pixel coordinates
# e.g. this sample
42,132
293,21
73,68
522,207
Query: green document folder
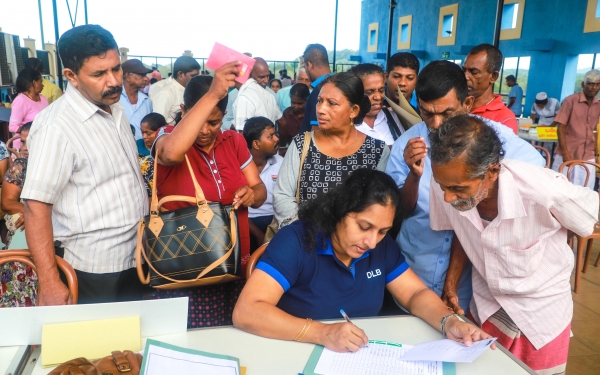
449,368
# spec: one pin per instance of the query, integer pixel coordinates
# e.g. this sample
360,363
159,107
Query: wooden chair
581,241
546,154
254,260
24,256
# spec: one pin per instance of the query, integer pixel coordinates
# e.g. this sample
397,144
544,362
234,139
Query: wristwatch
443,323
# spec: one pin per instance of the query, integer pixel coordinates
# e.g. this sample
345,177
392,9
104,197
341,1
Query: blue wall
561,21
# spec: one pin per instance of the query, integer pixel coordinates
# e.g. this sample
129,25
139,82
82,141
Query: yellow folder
91,339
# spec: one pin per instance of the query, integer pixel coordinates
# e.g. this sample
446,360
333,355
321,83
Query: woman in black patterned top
335,150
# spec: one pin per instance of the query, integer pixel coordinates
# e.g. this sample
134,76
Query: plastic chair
24,256
546,154
581,241
254,259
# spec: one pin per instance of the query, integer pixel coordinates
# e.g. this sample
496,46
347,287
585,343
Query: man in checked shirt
512,220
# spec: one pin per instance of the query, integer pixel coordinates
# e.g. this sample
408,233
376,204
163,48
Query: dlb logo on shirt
375,273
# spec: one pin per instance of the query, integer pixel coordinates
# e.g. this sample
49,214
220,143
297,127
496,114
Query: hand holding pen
344,337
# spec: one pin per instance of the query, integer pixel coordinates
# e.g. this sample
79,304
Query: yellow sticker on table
92,339
547,132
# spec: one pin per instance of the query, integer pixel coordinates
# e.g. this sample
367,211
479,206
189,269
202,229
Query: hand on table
343,337
465,332
244,197
414,155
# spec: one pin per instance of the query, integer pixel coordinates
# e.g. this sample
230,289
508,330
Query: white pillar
123,51
30,45
51,69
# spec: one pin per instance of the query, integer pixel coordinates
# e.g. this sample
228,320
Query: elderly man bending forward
512,220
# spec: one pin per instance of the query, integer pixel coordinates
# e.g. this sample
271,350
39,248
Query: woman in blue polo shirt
338,256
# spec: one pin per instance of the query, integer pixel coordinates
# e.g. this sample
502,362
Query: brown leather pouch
118,363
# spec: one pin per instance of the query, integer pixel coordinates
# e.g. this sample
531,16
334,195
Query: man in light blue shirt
515,95
442,93
136,105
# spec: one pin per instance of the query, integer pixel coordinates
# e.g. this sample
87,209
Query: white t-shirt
269,177
380,129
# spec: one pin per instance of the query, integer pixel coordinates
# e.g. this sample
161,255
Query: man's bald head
260,72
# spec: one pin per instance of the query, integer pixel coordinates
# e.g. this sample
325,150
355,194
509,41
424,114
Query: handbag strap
305,147
155,204
121,361
213,265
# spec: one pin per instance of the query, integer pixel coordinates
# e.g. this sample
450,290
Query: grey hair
592,75
469,136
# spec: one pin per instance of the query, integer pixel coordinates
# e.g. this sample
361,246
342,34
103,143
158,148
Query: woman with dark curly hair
338,256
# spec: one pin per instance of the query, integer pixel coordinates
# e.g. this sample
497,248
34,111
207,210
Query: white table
7,354
264,356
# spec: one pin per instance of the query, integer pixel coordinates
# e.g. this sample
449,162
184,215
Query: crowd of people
437,205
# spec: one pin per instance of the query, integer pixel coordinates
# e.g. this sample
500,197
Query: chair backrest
546,154
254,259
24,256
581,163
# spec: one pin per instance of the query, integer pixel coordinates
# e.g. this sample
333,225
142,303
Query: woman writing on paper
338,256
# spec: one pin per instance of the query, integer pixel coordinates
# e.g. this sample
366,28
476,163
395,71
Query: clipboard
448,368
144,366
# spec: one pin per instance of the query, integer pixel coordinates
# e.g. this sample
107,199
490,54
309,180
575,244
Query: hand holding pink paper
221,55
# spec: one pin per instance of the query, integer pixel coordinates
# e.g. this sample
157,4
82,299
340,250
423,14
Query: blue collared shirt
427,251
317,285
135,116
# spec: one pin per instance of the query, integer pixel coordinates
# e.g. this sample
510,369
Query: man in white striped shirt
84,191
511,219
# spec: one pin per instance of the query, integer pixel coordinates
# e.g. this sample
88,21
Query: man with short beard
84,193
442,93
515,238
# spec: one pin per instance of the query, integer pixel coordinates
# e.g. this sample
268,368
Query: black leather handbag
192,246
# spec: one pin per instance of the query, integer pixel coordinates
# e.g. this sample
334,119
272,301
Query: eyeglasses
592,84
